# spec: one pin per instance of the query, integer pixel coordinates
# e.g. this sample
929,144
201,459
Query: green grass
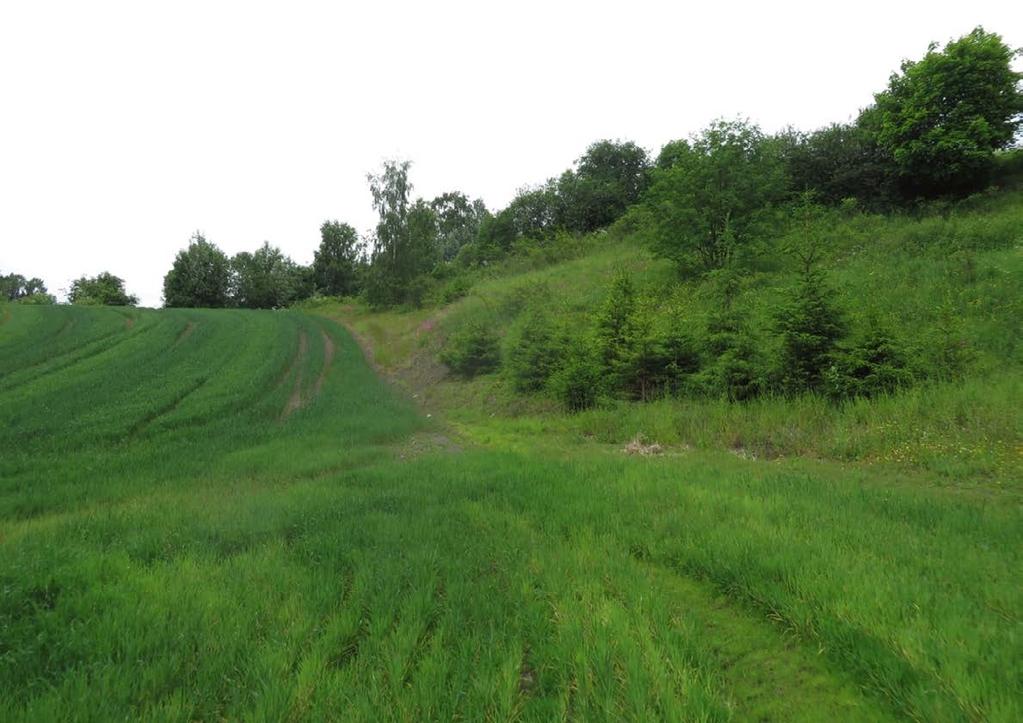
174,545
945,283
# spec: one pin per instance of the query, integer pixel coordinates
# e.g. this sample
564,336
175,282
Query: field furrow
213,515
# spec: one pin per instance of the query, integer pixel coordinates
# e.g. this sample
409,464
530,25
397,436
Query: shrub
535,351
810,328
875,365
455,289
617,334
39,297
578,383
734,370
471,350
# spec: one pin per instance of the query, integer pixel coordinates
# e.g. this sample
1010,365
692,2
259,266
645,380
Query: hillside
224,514
943,283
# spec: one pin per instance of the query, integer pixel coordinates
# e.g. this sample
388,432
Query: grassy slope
939,283
172,548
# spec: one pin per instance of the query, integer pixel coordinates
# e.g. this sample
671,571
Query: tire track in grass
167,408
328,358
295,400
114,338
772,674
767,672
184,334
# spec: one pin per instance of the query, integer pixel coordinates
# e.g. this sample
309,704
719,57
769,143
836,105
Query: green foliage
536,349
38,297
609,177
706,205
810,327
265,279
617,331
405,244
458,222
535,212
472,350
943,117
308,558
948,354
455,289
15,287
579,382
336,262
667,356
733,368
836,163
200,277
104,289
875,364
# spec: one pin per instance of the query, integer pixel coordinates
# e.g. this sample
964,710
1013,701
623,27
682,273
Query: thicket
17,288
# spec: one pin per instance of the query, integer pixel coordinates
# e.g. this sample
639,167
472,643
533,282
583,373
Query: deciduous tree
200,276
942,117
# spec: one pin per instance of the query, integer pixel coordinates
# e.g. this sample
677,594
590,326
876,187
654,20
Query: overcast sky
126,126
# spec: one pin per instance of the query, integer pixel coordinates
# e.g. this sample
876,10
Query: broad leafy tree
609,177
837,162
537,212
15,287
265,279
942,117
105,289
458,221
405,243
200,276
705,205
336,261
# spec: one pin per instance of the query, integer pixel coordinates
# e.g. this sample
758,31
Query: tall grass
171,547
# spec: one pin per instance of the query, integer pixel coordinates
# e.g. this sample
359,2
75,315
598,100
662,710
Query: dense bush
536,350
104,289
471,350
875,364
578,383
810,327
14,287
733,367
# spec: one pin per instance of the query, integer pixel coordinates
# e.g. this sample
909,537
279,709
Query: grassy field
211,515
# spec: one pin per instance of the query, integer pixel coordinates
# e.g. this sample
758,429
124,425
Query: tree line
704,202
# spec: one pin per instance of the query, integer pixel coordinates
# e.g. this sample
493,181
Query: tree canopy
104,289
336,261
942,118
15,287
705,203
405,242
200,276
264,279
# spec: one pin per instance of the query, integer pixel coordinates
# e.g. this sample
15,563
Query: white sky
125,126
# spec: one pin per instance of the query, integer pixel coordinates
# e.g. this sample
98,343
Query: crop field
210,515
